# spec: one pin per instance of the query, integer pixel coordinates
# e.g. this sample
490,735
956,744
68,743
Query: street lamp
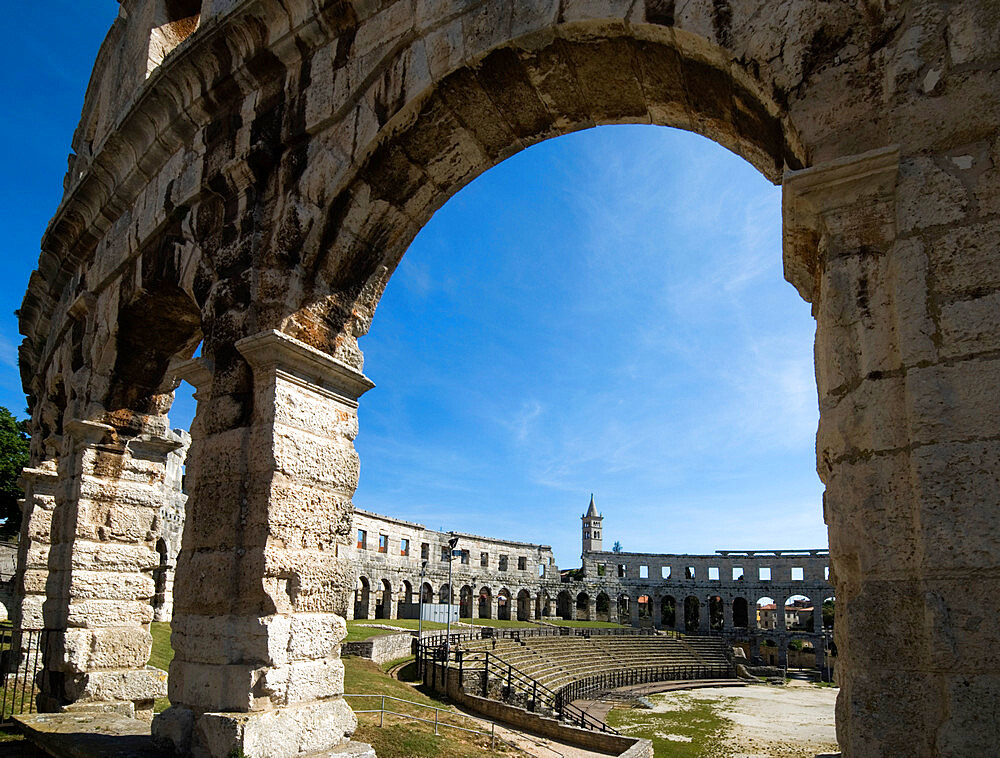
420,603
451,590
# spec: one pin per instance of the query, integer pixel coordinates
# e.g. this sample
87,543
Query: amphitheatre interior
252,172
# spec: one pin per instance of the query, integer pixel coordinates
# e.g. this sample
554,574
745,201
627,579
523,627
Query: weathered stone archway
265,180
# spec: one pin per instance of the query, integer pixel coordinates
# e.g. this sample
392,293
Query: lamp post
420,603
451,590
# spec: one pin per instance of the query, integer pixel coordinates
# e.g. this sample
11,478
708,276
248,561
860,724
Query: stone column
783,651
657,611
265,557
727,615
680,608
633,610
898,254
779,615
613,610
39,485
817,618
100,586
704,616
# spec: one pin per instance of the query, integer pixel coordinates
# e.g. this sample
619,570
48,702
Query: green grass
498,624
161,656
405,738
356,631
693,718
587,624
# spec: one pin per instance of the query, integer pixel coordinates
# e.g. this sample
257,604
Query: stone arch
374,153
485,603
741,613
405,596
625,609
582,607
716,613
564,605
524,605
362,598
692,614
426,593
445,595
543,605
668,611
602,606
766,610
800,614
503,604
383,600
466,595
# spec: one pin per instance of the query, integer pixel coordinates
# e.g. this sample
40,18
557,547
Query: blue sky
602,312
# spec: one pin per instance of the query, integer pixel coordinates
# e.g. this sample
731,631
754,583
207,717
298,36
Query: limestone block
315,635
172,730
136,685
107,648
972,715
953,481
928,196
111,585
876,709
870,417
202,686
963,259
445,47
584,10
330,463
32,616
100,613
284,733
954,402
110,556
302,681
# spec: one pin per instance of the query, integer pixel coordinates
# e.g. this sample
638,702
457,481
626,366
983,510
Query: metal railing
599,684
22,653
438,654
437,722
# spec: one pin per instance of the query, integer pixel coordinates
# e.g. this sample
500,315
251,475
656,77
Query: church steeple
592,540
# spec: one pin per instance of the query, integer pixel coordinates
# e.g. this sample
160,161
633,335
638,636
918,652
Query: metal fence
22,653
599,684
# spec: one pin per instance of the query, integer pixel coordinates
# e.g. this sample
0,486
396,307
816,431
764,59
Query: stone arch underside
284,197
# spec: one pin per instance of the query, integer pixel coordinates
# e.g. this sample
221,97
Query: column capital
196,371
277,353
87,432
152,447
45,474
812,197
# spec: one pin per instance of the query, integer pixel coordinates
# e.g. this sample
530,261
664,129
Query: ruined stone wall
256,186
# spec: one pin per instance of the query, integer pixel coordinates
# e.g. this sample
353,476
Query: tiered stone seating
558,661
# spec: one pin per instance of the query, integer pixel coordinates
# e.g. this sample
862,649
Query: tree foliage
14,441
617,547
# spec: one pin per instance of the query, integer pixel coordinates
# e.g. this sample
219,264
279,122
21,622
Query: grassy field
688,732
357,631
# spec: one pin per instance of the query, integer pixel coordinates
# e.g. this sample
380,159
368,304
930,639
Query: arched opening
692,614
503,605
485,603
467,594
383,606
767,616
741,613
624,610
426,593
582,606
602,606
716,615
543,605
564,605
523,605
405,596
160,598
644,606
668,611
362,598
445,596
800,614
829,608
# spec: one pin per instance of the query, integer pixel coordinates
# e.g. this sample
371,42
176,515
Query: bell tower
592,542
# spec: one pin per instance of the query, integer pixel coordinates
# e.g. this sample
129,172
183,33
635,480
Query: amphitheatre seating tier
558,661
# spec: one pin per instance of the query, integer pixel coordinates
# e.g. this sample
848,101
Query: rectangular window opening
644,572
522,563
798,574
689,572
383,543
484,559
737,573
764,573
713,573
362,539
404,546
664,572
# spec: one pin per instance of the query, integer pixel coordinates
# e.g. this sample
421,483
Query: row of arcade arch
377,599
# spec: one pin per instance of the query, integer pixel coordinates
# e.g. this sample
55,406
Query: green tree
13,457
828,611
617,547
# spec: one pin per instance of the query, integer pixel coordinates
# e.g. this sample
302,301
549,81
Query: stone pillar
613,610
704,616
754,647
265,557
727,615
779,615
100,586
783,651
39,485
680,613
657,611
817,618
897,257
633,610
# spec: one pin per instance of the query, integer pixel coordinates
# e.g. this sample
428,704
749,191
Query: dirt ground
794,721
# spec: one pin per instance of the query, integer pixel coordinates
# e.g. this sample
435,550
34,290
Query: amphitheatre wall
247,174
